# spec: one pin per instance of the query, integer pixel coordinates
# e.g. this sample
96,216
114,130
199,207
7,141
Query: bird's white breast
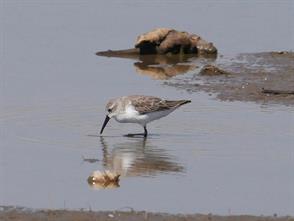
130,115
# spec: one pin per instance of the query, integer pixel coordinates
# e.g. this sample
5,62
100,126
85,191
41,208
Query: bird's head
111,109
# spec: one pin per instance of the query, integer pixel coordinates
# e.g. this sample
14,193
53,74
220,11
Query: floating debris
103,180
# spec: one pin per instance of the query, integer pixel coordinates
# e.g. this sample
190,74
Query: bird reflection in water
138,157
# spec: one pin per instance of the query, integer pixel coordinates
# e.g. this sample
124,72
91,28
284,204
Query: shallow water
208,156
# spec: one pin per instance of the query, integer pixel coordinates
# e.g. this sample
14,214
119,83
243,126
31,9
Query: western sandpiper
140,109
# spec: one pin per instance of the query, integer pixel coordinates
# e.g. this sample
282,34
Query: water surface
209,156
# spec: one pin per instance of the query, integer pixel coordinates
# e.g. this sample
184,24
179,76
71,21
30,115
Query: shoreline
9,213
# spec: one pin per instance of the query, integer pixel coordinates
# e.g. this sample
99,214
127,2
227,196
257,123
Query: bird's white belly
132,116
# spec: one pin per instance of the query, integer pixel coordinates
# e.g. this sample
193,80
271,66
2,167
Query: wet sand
17,214
266,77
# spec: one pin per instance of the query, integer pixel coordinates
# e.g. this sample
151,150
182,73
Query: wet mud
17,214
260,77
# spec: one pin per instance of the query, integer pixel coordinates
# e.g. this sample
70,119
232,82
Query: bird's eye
109,109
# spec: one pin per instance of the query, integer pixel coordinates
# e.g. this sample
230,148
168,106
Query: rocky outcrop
164,40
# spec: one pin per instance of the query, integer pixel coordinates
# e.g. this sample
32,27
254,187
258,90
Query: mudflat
20,214
266,77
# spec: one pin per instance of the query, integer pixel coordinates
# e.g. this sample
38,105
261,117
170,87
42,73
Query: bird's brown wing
148,104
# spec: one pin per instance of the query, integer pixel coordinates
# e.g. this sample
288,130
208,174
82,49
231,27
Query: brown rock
175,42
166,40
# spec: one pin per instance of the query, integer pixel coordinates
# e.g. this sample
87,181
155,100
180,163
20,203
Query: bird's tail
176,104
182,102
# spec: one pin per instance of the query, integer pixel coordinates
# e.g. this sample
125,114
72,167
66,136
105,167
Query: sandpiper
140,109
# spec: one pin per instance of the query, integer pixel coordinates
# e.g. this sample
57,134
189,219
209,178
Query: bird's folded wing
148,104
151,104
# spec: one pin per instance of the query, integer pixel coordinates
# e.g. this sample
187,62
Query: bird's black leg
140,134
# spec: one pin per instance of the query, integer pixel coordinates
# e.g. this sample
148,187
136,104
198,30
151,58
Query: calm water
209,156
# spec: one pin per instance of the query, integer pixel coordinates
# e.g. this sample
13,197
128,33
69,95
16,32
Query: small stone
211,70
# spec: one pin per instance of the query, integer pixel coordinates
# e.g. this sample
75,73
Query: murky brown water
209,156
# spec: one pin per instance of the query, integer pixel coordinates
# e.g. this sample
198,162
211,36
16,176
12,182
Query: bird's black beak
104,124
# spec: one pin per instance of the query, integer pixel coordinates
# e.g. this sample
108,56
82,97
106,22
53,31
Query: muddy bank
17,214
261,77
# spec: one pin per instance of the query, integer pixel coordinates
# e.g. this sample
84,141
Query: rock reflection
161,67
103,180
138,158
